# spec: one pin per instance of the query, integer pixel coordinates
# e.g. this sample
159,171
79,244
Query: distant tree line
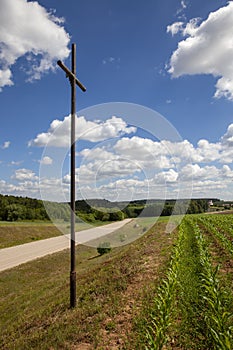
98,209
166,208
23,208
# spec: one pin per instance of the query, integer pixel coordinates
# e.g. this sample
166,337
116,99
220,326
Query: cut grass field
15,233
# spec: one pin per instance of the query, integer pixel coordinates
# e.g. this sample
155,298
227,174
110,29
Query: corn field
193,305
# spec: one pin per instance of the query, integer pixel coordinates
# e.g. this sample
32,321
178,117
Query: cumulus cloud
6,145
24,174
28,29
165,177
227,138
58,134
140,161
179,161
99,153
5,77
209,152
207,49
8,188
196,172
46,160
147,150
174,28
136,167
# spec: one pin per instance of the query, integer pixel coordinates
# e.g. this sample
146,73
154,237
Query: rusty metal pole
73,82
72,183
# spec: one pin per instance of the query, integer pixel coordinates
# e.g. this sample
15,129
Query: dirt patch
83,346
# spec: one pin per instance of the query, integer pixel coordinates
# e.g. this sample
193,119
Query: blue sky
171,56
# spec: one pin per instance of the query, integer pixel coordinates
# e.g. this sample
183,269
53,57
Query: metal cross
71,74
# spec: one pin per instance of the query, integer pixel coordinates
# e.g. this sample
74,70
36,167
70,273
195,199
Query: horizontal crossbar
71,75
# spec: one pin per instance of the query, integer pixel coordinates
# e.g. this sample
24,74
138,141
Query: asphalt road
17,255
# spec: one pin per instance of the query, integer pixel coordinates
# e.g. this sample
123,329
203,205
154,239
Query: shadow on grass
94,257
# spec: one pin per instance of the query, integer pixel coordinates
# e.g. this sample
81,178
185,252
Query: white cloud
153,156
6,145
130,168
195,172
58,134
97,153
183,4
26,28
180,12
7,188
209,152
144,149
164,177
5,78
181,163
227,138
111,60
208,49
227,172
46,160
175,28
24,174
138,148
13,162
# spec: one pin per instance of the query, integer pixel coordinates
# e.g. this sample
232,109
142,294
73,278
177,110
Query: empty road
14,256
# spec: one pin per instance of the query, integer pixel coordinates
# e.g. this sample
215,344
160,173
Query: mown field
163,291
24,232
21,232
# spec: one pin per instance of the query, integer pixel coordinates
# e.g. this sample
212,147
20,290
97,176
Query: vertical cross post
73,81
72,183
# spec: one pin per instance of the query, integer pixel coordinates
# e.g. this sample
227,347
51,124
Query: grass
20,232
34,297
15,234
189,329
129,232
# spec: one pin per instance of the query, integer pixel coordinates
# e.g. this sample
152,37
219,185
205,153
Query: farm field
193,306
12,234
20,232
163,291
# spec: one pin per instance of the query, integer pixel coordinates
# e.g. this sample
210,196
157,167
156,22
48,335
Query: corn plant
224,223
211,227
217,317
156,332
205,301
